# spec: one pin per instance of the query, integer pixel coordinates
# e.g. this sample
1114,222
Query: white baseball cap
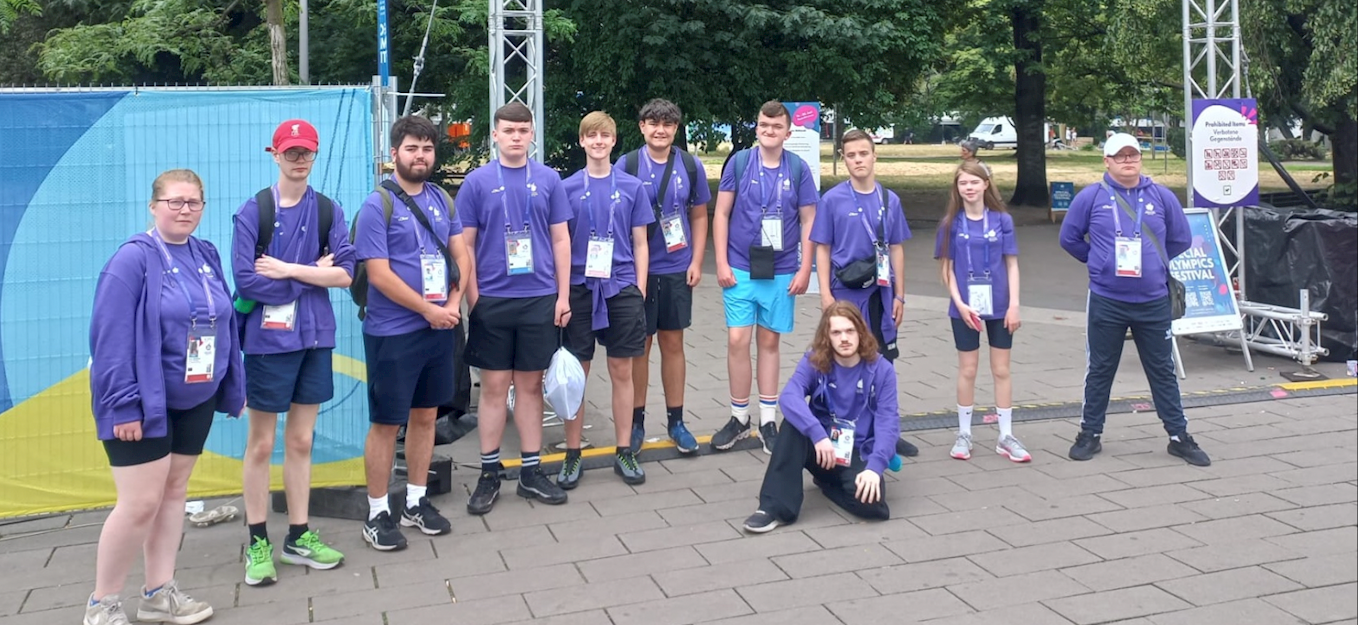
1120,140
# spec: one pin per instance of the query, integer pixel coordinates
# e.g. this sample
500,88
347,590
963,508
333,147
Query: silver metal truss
1214,67
516,66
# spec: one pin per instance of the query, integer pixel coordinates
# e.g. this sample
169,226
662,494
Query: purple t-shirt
591,211
183,284
974,249
849,222
401,242
680,195
784,195
493,200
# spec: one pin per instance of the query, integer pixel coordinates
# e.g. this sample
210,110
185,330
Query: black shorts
273,382
406,371
185,435
669,302
969,340
513,333
625,336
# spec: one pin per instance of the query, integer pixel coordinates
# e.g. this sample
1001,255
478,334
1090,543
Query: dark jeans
1108,321
781,494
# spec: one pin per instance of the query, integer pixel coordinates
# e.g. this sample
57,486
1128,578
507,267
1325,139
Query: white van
998,132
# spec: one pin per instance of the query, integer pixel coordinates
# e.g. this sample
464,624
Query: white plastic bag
565,384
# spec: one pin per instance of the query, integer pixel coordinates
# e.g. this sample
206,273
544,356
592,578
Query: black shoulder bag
862,273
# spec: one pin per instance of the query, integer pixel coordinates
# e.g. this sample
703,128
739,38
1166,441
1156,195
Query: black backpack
325,213
358,288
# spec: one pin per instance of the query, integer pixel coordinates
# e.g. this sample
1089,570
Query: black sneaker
768,435
625,464
730,434
1086,446
906,449
427,518
638,438
487,491
534,485
569,476
382,533
1188,449
760,522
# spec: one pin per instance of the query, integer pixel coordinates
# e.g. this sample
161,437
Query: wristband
900,298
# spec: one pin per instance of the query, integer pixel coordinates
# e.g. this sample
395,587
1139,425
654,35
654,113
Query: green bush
1298,150
1174,135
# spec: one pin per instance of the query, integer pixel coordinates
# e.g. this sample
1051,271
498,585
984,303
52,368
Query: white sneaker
962,448
1011,448
108,611
169,604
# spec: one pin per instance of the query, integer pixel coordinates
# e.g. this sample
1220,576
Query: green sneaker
308,550
259,569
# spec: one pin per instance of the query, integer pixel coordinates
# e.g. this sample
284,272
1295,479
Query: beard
407,173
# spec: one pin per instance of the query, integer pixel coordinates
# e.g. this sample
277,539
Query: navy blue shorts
273,382
969,340
406,371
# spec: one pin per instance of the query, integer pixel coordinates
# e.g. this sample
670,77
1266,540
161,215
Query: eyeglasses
178,204
1126,158
293,156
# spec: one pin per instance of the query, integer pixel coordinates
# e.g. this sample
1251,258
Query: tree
278,41
10,10
1030,100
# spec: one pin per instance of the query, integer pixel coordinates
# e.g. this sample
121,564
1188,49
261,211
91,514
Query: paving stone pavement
1267,535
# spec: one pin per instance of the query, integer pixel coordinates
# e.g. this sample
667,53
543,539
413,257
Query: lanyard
673,180
830,392
764,191
419,229
964,231
174,271
592,205
1117,220
504,193
278,208
863,216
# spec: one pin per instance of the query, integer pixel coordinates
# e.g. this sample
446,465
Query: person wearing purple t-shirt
841,405
761,233
287,337
1126,228
675,184
609,262
414,298
514,214
978,257
164,356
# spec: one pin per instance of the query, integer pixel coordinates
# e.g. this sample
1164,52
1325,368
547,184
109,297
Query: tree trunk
1344,156
278,41
1030,106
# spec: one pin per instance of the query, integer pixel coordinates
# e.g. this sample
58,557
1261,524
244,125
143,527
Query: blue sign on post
383,58
1062,194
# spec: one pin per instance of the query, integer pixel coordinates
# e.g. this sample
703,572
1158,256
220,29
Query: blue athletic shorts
763,302
273,382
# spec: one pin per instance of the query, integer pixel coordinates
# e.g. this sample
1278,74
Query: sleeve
728,174
700,193
251,285
899,228
113,380
938,240
467,205
1178,234
1008,241
340,246
793,402
886,425
642,214
370,230
1075,225
558,207
823,229
807,193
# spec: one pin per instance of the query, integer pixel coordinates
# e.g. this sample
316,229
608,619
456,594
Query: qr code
1191,299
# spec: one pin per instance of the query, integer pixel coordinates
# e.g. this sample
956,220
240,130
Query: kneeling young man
841,404
609,260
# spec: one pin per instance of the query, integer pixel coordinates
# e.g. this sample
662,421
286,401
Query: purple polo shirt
589,198
849,222
967,235
784,195
531,195
401,242
680,195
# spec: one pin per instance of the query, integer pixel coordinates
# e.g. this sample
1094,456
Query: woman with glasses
164,357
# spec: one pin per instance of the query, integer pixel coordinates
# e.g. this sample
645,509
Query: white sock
740,409
377,506
414,494
1006,421
964,419
768,409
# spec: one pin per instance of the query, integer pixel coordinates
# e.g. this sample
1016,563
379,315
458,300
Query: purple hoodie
1091,214
294,241
139,333
874,437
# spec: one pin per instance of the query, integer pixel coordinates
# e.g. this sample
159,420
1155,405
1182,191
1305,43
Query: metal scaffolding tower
516,60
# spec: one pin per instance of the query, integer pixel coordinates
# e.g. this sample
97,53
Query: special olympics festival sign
1210,304
1225,158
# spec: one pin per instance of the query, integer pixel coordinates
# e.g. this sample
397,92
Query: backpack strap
326,216
264,201
742,159
691,166
631,162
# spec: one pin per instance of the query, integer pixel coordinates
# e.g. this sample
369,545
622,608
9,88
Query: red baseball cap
294,133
